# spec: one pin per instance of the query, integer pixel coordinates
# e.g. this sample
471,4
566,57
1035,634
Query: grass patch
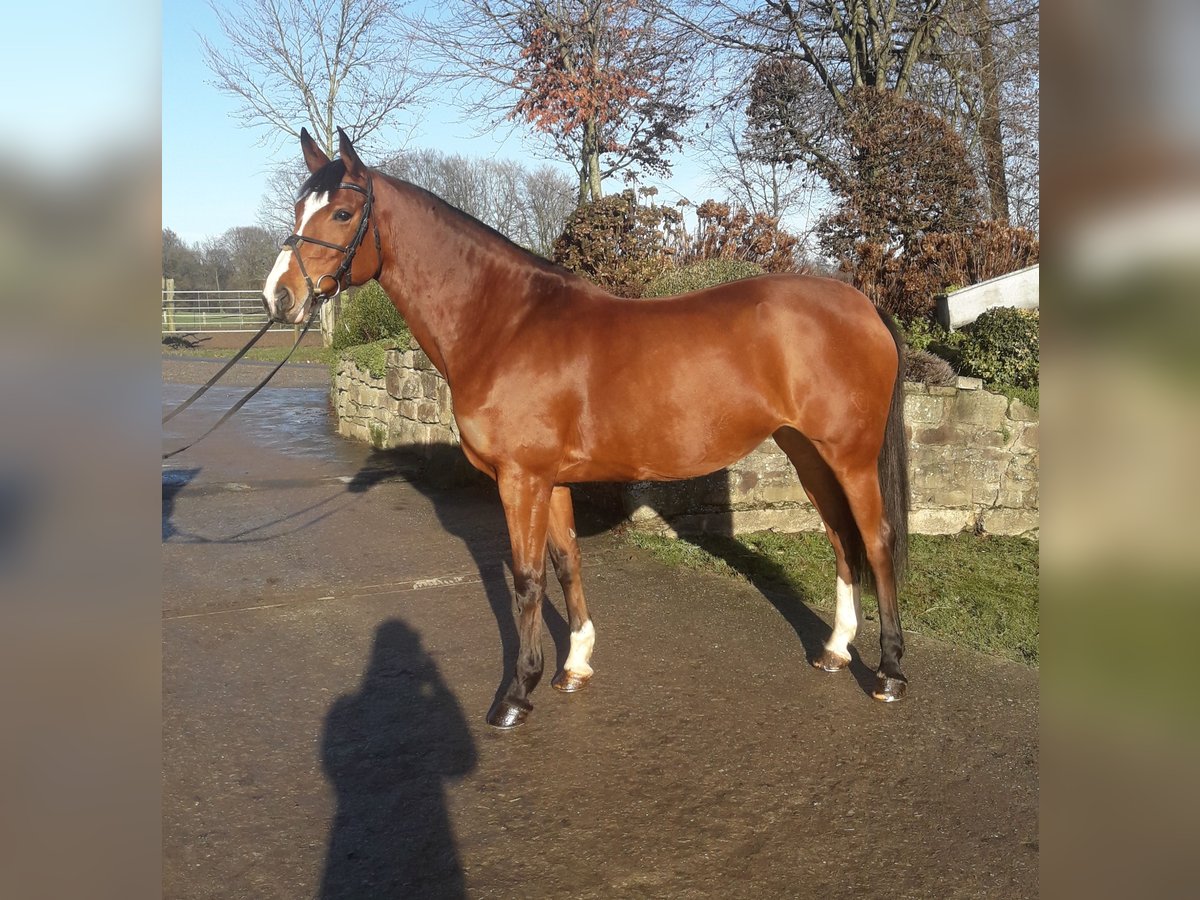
1028,396
373,357
262,354
978,591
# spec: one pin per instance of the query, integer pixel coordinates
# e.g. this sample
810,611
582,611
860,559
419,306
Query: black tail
893,461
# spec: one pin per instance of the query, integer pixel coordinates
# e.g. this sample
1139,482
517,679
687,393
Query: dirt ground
335,628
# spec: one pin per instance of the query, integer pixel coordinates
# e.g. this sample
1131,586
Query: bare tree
602,80
769,187
985,81
845,44
277,209
549,201
972,61
528,207
320,63
234,260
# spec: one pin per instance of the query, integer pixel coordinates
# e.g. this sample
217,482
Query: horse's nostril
283,297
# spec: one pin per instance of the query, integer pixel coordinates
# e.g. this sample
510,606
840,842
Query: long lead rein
314,296
262,384
225,368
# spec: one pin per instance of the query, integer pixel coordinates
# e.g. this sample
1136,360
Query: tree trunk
589,169
990,132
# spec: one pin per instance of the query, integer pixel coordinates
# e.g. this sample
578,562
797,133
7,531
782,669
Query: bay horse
556,381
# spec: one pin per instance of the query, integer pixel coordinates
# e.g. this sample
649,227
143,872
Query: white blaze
582,642
312,203
845,622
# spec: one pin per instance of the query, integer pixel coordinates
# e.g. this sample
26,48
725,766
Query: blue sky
214,171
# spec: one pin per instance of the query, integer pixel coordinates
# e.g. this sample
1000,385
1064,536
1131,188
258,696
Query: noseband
293,242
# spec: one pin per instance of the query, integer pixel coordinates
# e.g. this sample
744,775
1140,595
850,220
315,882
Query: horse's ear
314,156
354,165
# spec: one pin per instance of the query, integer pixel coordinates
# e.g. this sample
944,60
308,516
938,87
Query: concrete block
1021,411
791,492
980,408
1011,521
944,435
941,521
924,410
1030,439
1018,289
790,521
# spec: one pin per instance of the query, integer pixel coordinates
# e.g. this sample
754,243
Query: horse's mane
466,218
328,177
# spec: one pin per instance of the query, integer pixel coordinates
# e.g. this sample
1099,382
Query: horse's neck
454,284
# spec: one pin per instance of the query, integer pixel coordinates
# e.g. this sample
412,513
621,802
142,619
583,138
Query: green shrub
1001,347
368,315
372,357
919,332
1029,396
700,275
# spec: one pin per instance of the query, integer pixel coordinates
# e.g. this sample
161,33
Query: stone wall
973,464
409,407
973,457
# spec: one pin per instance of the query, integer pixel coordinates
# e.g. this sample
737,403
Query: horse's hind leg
526,500
861,485
827,496
564,553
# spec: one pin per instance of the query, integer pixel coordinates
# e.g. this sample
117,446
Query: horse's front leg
526,500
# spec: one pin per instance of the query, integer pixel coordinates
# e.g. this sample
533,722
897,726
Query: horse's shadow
789,598
468,506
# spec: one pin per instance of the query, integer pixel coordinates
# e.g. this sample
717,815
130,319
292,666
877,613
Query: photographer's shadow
387,749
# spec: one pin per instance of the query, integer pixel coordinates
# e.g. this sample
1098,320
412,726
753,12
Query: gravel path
247,373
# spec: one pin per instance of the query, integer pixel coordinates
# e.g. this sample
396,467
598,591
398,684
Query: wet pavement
335,629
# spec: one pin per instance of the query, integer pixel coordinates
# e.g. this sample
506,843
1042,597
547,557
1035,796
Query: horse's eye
342,215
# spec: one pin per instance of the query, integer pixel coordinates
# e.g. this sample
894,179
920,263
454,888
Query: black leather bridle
343,271
314,297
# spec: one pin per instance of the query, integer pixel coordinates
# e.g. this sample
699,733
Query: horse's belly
666,448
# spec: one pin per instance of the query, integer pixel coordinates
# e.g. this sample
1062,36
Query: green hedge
696,276
368,315
372,357
1002,347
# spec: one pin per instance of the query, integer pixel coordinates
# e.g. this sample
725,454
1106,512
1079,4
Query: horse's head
330,249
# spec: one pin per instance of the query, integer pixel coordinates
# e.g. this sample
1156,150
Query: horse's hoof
889,688
506,714
831,662
570,682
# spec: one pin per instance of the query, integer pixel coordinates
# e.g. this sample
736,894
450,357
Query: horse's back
680,386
